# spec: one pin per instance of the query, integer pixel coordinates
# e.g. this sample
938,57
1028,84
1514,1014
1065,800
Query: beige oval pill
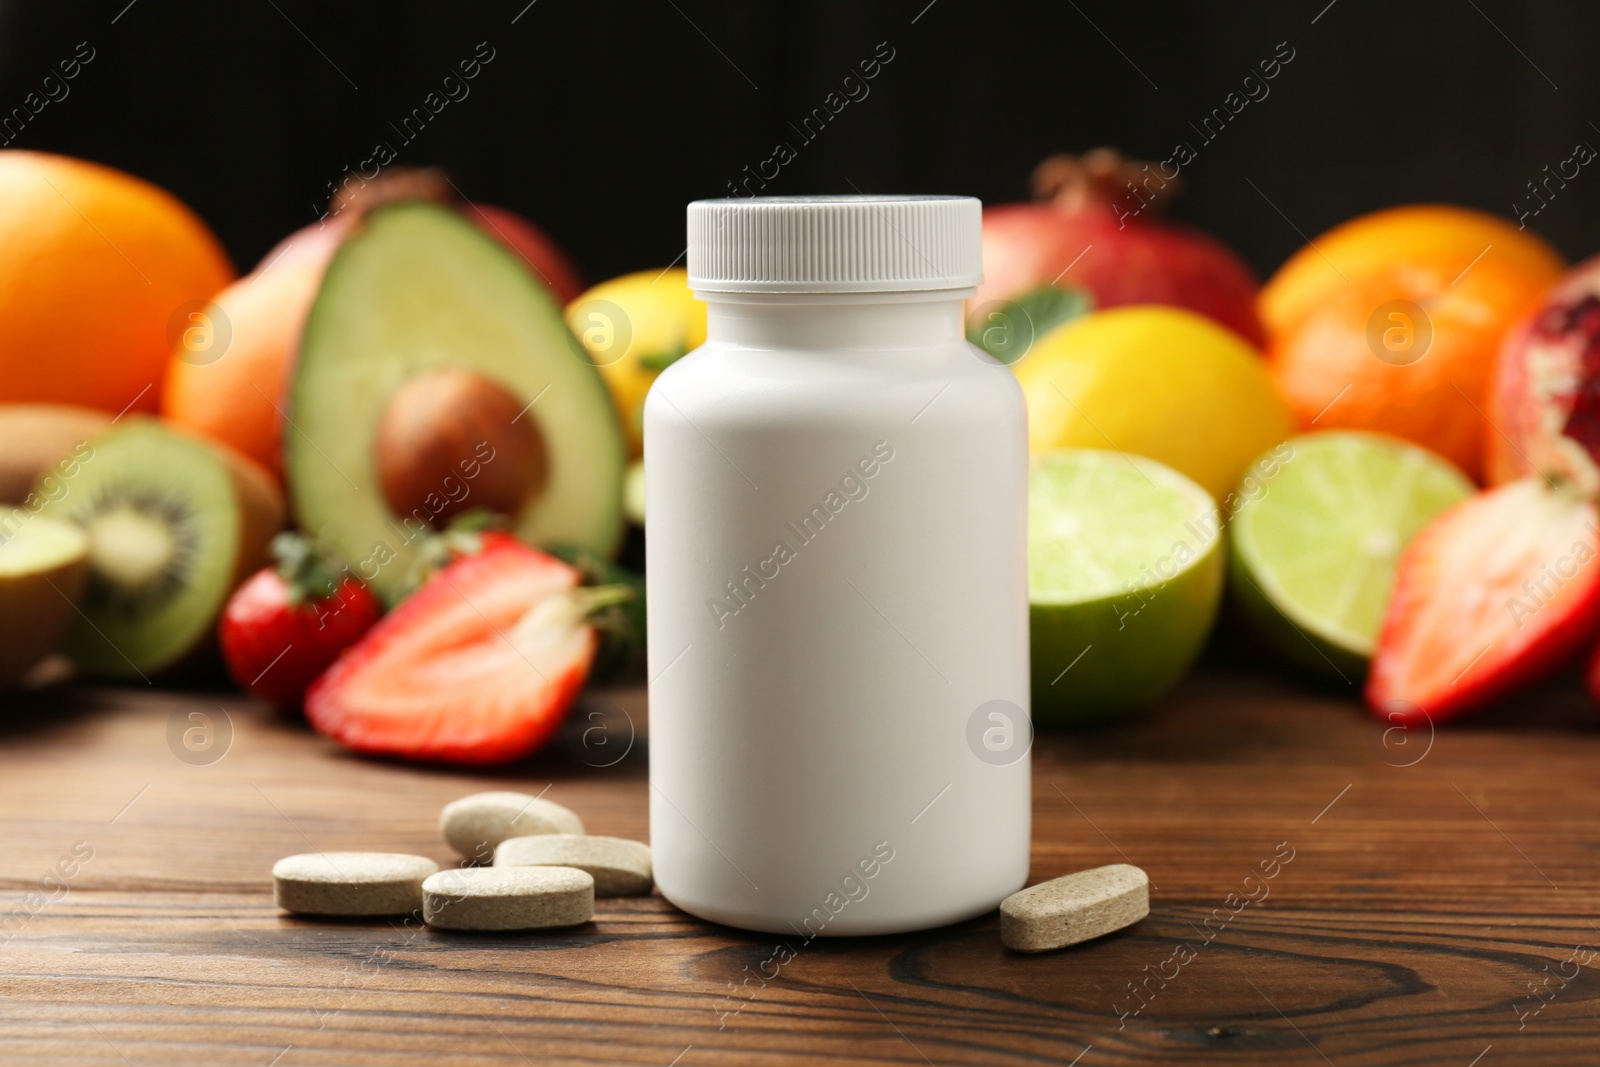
1074,908
507,898
350,883
621,868
474,826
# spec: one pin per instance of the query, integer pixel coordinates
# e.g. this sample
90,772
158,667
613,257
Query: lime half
1318,533
1124,577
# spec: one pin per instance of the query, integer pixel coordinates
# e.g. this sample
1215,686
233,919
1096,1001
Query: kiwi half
42,566
174,523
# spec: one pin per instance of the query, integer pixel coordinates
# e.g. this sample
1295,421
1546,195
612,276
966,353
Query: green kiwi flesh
164,525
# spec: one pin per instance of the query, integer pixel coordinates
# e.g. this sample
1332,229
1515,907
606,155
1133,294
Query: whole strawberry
287,623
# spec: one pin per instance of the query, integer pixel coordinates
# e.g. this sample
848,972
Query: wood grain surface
1431,900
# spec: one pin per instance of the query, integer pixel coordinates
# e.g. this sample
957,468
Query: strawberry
285,624
622,625
477,666
467,534
1495,593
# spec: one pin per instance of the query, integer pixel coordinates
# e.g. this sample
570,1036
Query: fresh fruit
619,626
1317,535
229,374
542,255
478,666
633,328
174,523
1124,579
438,419
1495,593
1158,382
227,379
1545,396
287,623
42,567
633,492
415,291
1416,238
1095,228
34,438
1392,322
97,265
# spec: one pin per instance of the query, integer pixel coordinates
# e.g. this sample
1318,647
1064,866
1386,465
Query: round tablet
475,825
350,883
621,868
507,898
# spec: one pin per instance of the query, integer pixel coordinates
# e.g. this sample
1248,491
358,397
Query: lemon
1317,538
1158,382
1124,578
632,328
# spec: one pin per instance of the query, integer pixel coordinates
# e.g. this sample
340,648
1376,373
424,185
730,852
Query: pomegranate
1544,397
542,254
1094,227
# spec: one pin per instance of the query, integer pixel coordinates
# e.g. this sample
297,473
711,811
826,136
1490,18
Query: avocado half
420,289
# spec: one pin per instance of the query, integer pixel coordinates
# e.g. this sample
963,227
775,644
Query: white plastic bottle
836,487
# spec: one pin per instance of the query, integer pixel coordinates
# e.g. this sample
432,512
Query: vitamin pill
1074,908
350,883
621,868
507,898
475,825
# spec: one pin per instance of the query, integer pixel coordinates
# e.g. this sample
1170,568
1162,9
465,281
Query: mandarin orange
1392,322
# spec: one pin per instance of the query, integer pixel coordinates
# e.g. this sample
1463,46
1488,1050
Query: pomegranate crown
1098,177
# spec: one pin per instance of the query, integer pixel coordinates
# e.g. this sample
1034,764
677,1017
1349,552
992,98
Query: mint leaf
1007,331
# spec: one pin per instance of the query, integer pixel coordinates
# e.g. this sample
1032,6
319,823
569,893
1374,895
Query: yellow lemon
632,328
1158,382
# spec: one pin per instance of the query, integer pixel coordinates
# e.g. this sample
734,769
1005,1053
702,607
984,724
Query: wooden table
1440,905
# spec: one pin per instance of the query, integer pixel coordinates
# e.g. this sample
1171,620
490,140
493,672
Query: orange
1392,322
1428,237
95,265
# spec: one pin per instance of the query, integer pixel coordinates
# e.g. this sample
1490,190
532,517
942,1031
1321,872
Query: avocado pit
452,440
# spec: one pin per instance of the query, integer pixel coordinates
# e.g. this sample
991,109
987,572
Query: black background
600,120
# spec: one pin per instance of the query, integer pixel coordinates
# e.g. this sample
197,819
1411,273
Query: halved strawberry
478,666
1493,594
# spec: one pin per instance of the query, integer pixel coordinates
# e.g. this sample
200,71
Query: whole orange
1392,322
96,267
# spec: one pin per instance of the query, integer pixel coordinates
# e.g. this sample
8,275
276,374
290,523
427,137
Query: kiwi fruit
43,563
35,437
174,523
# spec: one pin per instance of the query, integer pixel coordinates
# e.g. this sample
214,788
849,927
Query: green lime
1124,578
1317,533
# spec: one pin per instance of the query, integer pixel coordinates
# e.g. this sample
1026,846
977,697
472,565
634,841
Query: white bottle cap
835,244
